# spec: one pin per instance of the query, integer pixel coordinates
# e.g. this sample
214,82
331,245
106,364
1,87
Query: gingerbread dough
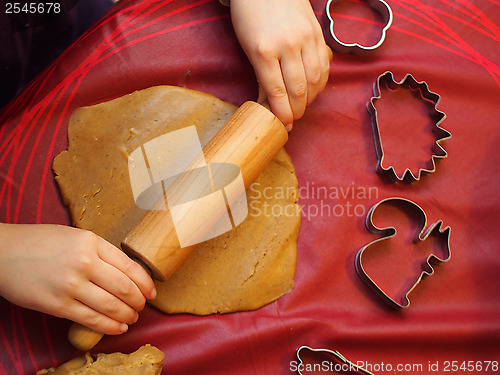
244,269
147,360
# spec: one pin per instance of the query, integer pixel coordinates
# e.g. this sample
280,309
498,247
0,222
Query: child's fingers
116,258
115,282
271,80
105,303
294,76
315,64
81,313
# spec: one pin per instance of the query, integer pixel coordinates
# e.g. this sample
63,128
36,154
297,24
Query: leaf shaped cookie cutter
380,6
391,232
344,364
438,116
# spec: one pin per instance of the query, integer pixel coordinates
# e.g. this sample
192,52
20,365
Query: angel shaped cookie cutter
380,6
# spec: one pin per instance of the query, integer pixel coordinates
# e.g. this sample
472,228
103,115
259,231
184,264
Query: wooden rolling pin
250,139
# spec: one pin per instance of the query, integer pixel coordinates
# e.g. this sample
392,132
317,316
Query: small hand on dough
72,273
284,42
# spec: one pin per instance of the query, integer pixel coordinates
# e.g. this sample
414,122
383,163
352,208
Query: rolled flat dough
244,269
147,360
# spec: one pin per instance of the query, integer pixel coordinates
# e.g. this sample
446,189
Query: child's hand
72,273
284,42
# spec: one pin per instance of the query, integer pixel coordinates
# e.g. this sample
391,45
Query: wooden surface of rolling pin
250,140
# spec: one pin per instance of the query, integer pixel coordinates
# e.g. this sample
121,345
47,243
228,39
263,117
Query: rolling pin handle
83,338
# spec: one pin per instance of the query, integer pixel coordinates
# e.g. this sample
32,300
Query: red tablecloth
454,315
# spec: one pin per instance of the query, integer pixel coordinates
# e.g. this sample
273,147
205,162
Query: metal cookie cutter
387,233
408,81
343,366
380,6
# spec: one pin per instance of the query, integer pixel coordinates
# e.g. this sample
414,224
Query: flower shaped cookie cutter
410,83
389,232
380,6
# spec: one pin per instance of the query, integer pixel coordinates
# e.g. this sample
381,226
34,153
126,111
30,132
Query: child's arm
285,44
72,273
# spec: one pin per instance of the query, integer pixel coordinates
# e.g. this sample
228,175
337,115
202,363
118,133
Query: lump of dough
244,269
147,360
